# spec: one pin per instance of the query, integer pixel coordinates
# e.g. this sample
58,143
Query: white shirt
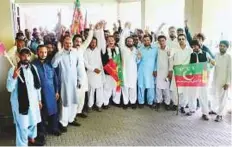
92,59
129,59
222,72
180,57
162,68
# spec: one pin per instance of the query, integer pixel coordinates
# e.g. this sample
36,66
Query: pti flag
191,75
77,21
114,69
2,49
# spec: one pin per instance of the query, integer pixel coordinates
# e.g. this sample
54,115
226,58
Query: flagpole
8,58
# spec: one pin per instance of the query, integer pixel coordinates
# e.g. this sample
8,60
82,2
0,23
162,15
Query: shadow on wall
5,108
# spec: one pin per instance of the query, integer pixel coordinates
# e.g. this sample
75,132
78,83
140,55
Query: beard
25,62
42,58
129,45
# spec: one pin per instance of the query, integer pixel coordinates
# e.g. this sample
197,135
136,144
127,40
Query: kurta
93,60
180,57
33,117
222,74
129,61
146,65
68,69
49,85
162,68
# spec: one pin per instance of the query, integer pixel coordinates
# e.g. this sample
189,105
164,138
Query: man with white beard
68,59
221,80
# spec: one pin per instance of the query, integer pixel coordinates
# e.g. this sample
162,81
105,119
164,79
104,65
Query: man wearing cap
13,53
25,99
221,80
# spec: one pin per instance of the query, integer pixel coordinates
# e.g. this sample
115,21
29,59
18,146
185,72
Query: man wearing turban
221,80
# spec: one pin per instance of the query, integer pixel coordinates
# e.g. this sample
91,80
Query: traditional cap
225,42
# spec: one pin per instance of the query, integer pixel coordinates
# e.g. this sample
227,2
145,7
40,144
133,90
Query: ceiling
71,1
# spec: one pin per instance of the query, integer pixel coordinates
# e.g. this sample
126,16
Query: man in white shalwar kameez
180,56
25,99
95,72
221,80
129,59
68,59
163,74
81,47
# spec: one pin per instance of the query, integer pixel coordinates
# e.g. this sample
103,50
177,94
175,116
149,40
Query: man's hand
91,26
97,71
57,96
226,86
16,72
40,105
186,23
170,75
155,73
139,55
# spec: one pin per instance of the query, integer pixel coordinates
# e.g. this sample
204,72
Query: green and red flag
191,75
114,69
77,22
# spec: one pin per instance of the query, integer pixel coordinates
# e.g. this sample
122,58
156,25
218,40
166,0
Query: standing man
50,95
221,80
81,46
163,74
68,59
129,59
179,57
112,85
25,99
172,41
147,71
93,63
199,56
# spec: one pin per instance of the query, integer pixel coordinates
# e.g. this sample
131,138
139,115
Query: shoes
218,118
55,132
82,115
153,106
141,106
133,106
212,113
36,142
167,107
125,107
105,107
205,117
174,108
182,110
75,123
188,114
62,128
90,109
98,109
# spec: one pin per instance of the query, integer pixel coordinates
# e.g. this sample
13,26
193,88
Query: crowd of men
57,79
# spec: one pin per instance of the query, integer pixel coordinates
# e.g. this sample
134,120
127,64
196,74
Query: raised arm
99,34
125,33
188,34
89,38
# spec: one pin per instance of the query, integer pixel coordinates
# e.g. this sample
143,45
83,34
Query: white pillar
194,14
143,14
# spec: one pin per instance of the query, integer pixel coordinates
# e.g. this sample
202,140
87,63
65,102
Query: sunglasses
181,39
